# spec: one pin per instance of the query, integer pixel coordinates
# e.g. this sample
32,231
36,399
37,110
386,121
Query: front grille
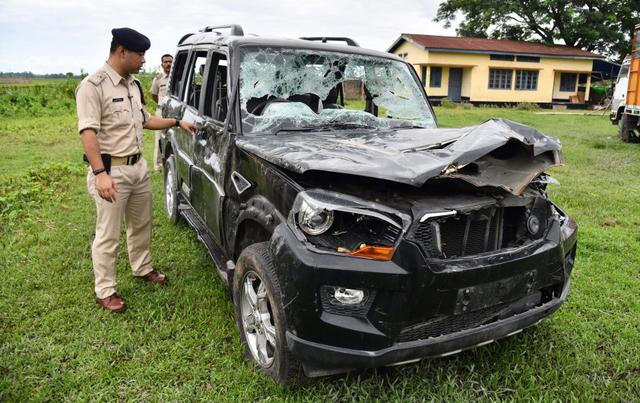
477,232
449,324
456,323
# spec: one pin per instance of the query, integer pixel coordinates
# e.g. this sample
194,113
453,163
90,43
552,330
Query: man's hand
189,126
106,187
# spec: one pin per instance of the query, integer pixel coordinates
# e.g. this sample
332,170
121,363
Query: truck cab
620,92
625,107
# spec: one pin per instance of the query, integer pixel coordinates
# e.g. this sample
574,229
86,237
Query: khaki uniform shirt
159,86
111,105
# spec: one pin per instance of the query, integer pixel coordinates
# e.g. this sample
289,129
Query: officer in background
159,88
111,116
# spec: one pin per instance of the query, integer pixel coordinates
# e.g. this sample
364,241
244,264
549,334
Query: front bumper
322,359
411,292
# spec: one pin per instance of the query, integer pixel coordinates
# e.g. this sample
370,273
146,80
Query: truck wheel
260,316
627,128
171,190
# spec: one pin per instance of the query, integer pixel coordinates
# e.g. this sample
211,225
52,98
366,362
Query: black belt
128,160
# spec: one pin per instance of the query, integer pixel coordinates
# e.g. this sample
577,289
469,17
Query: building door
455,84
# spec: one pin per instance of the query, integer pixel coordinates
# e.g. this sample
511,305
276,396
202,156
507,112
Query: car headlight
341,224
314,220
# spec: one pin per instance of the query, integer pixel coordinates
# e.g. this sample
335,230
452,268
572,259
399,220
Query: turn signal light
374,252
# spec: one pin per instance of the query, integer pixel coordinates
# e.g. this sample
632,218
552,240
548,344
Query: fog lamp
533,225
348,296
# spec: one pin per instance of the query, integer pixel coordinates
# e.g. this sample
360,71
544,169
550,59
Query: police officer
111,116
158,92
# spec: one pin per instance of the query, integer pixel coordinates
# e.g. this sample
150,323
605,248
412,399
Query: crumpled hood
416,155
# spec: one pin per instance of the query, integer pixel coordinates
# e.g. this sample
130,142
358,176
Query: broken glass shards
289,89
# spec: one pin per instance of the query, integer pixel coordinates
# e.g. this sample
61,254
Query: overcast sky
58,36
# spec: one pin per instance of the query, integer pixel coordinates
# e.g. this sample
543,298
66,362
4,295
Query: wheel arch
249,232
256,222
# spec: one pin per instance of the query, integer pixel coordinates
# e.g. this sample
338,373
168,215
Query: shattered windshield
309,90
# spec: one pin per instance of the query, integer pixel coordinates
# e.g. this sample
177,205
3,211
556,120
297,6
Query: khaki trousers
157,161
133,204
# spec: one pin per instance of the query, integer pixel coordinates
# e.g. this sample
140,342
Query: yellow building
495,71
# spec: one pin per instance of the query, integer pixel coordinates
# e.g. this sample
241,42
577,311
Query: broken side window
195,79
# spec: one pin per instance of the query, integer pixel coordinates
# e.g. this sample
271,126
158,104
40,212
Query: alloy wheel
258,326
170,192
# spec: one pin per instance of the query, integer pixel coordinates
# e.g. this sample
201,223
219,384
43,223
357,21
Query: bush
448,104
527,106
51,97
21,195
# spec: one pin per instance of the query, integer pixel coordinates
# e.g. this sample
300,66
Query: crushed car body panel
504,154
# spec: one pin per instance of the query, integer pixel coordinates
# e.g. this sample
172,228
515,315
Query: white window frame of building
526,80
500,79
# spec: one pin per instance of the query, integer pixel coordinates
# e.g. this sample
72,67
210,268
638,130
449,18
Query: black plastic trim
321,359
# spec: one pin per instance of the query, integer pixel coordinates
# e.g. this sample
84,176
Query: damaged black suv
352,231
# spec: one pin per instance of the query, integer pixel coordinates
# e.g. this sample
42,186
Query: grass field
180,342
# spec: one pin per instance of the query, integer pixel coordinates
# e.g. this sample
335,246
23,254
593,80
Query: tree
603,26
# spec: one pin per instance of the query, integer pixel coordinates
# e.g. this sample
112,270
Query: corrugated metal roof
465,44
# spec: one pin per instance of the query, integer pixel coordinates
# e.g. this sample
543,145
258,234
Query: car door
174,107
185,141
212,144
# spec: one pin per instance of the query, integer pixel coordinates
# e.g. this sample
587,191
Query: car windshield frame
289,88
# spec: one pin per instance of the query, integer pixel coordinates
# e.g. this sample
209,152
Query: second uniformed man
159,88
111,116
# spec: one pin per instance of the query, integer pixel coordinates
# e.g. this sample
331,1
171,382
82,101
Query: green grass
180,342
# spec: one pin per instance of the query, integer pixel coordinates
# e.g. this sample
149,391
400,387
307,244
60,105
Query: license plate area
497,292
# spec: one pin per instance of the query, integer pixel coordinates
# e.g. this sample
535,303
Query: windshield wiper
351,125
302,129
409,127
333,126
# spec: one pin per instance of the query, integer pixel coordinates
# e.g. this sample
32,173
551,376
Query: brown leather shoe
112,303
155,277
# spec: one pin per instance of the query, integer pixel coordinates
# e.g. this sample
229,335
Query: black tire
255,266
171,192
627,126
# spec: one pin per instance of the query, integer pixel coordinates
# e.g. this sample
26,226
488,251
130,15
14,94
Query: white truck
625,105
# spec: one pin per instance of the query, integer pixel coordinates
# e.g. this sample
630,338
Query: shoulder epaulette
97,77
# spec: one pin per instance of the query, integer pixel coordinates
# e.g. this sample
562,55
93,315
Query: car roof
232,41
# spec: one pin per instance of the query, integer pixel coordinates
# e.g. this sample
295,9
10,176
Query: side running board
220,261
